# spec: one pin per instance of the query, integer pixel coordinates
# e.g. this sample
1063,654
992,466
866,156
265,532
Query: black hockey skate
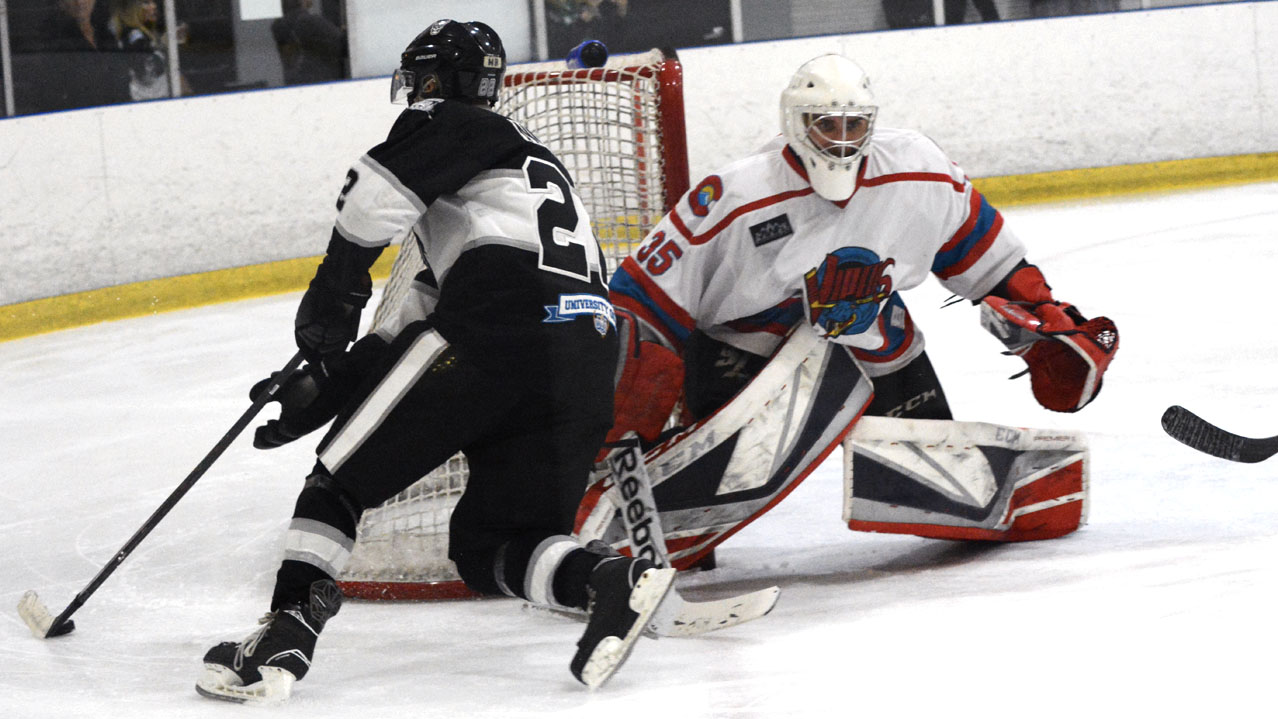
624,594
263,667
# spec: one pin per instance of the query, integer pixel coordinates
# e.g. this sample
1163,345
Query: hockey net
619,131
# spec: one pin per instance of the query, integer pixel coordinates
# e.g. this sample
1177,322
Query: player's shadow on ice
852,566
937,554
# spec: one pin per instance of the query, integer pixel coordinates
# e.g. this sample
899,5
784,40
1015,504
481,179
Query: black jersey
514,272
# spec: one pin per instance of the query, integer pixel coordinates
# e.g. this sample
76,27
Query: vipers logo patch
843,294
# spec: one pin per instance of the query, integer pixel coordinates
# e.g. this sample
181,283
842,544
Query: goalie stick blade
39,619
678,617
1194,431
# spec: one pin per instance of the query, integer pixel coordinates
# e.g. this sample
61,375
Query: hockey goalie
764,315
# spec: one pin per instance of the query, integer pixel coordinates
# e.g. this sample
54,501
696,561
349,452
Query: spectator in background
135,24
77,25
955,10
311,47
570,22
908,13
80,63
604,20
1056,8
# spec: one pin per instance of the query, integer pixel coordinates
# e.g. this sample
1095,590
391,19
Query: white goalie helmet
827,116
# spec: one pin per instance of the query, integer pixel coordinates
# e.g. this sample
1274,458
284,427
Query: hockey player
505,349
825,226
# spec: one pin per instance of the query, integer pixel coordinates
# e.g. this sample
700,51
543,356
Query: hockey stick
679,617
639,507
676,617
37,616
1194,431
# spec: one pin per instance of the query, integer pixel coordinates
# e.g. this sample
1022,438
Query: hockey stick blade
39,619
37,616
1194,431
679,617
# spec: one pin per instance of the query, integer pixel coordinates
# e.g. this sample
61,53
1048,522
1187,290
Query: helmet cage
827,117
838,135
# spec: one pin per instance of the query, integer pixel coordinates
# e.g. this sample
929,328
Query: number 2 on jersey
562,250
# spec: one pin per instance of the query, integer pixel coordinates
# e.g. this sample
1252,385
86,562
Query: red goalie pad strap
1050,507
649,385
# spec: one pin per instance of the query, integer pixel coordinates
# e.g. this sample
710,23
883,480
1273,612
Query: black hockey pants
529,450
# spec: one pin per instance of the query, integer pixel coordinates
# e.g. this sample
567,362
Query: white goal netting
619,130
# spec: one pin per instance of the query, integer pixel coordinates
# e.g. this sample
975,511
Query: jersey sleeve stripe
896,340
972,240
633,290
775,320
719,226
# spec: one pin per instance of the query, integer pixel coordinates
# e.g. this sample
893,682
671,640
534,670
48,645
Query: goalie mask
827,117
451,60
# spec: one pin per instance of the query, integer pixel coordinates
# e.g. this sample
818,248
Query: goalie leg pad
964,480
717,476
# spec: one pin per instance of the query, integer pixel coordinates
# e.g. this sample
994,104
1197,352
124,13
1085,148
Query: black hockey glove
327,320
301,408
315,394
328,317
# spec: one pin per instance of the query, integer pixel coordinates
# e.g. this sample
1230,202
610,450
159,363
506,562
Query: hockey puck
590,53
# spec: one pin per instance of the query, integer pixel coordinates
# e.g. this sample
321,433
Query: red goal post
619,131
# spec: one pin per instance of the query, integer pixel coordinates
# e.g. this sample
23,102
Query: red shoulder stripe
721,225
913,177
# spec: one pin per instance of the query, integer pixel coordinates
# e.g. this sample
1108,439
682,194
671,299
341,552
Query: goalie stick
38,617
676,617
679,617
1194,431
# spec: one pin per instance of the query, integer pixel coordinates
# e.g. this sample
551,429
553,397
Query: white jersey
752,250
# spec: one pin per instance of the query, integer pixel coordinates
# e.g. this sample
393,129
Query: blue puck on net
590,53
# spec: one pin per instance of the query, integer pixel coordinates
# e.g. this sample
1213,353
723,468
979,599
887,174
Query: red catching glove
1066,354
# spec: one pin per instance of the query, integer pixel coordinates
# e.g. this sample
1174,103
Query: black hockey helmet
450,59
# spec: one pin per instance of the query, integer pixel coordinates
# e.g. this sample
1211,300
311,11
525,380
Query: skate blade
219,682
653,587
38,618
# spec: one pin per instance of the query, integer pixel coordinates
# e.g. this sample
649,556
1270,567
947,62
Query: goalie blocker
964,480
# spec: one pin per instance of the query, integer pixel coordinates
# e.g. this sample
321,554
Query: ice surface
1163,605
